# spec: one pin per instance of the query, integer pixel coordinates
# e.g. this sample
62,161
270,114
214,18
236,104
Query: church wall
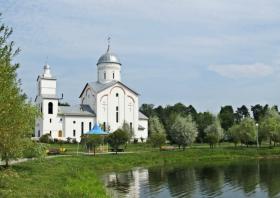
89,98
122,101
142,133
109,69
48,86
74,123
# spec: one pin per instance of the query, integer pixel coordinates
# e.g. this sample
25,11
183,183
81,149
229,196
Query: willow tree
16,113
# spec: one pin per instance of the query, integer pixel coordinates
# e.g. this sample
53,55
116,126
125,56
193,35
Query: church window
50,108
61,119
50,133
41,108
74,133
104,126
89,125
39,134
50,120
113,75
82,128
59,133
105,75
117,95
117,114
130,126
74,122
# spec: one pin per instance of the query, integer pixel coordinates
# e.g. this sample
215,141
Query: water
234,180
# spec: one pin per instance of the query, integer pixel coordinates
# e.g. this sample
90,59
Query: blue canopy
96,130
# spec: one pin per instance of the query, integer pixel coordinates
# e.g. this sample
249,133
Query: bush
157,140
135,140
34,149
46,138
118,138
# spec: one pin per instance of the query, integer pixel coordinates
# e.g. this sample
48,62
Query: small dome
108,57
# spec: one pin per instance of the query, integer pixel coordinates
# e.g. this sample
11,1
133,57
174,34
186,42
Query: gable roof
141,116
77,110
98,87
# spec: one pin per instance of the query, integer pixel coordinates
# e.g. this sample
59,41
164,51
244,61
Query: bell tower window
50,108
117,114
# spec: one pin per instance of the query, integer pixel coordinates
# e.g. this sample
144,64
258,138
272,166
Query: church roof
98,87
108,57
77,110
142,116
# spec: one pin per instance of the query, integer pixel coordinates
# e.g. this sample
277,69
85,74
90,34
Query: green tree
241,113
247,131
117,139
127,129
214,133
16,113
259,111
147,109
234,134
158,140
184,131
203,120
226,117
155,126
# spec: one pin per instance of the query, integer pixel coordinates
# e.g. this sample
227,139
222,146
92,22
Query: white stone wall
112,70
127,103
89,98
47,86
143,133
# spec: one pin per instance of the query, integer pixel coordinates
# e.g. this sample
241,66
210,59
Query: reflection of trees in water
243,174
211,179
181,182
120,181
270,176
157,178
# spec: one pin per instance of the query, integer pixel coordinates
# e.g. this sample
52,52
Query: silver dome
108,57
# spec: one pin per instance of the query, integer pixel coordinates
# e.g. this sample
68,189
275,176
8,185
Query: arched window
50,108
89,126
104,75
82,128
113,75
59,133
117,114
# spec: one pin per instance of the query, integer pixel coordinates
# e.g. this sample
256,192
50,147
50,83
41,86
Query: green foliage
226,117
247,131
17,115
259,111
155,126
46,138
127,129
117,138
157,140
214,133
203,120
183,131
241,113
34,149
234,134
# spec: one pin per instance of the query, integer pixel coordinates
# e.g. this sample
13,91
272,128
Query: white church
107,102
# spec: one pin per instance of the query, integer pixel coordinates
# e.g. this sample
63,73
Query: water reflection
236,179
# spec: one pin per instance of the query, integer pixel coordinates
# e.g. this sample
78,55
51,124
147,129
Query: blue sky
204,53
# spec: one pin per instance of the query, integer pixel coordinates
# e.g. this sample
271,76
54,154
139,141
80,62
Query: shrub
118,138
157,140
135,140
46,138
34,149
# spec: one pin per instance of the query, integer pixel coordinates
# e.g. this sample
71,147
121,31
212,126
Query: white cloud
243,70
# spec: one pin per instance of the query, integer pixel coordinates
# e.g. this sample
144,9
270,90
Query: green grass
79,176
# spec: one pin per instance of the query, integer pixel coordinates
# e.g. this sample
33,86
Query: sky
204,53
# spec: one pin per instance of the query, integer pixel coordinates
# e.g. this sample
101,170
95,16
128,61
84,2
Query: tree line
183,125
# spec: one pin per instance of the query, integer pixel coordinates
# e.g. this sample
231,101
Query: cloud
243,70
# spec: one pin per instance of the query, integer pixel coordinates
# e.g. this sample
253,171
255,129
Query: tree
92,142
234,134
270,126
247,131
158,140
226,117
117,138
259,111
241,113
147,109
214,133
155,126
203,120
183,131
127,129
16,113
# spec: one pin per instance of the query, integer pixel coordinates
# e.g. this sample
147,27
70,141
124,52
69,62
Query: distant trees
16,113
155,125
157,140
183,131
226,117
203,120
214,133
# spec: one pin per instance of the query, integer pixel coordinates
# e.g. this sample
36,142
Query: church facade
107,102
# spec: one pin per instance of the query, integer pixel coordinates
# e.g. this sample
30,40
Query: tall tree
214,133
147,109
155,126
203,120
248,131
259,111
184,131
241,113
17,115
226,117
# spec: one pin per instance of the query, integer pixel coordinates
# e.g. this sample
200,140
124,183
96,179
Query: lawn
79,176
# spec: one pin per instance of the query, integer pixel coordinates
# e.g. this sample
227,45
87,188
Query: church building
107,102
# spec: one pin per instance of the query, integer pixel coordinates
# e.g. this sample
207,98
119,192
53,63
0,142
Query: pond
258,178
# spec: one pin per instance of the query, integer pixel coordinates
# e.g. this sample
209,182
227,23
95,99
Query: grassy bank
79,176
